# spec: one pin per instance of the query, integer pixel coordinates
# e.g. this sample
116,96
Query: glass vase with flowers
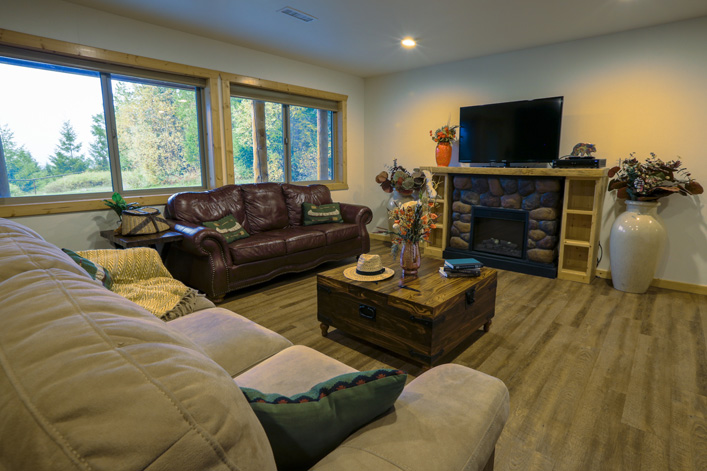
412,223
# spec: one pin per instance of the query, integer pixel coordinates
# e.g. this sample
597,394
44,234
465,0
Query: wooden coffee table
423,321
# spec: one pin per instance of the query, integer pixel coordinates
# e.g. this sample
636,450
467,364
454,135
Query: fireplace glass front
499,231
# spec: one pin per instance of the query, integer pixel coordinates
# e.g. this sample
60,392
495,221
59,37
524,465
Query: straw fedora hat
368,268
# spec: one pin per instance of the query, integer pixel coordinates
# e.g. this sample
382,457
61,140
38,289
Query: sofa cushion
228,227
304,427
231,340
199,206
257,247
321,214
432,405
298,239
336,233
89,380
265,207
295,195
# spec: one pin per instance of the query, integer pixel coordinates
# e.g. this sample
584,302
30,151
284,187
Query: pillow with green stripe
228,227
96,271
321,213
304,428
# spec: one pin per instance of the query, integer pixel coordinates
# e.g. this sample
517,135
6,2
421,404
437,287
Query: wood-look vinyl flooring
598,379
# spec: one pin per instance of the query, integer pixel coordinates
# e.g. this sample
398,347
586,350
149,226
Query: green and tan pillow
304,428
228,227
96,271
321,214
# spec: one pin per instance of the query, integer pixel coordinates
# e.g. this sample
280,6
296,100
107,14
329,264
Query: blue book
463,263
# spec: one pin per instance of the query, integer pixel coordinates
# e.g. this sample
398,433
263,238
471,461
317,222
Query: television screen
514,132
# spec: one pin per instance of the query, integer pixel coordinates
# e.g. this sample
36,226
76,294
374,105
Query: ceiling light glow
408,42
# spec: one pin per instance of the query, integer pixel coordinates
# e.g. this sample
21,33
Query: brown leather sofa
272,214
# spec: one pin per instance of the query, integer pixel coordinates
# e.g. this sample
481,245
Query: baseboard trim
666,284
381,237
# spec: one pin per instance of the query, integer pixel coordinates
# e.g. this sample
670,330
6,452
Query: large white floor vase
636,243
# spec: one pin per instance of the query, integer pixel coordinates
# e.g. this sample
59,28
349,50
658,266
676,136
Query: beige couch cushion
229,339
292,371
89,380
461,409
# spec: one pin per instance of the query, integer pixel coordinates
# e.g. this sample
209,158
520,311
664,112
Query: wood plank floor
598,379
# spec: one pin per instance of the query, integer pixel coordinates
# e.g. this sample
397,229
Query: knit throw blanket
140,276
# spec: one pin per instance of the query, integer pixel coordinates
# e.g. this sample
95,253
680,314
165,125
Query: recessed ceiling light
408,42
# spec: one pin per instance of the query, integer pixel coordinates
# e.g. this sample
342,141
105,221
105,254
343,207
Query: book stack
461,267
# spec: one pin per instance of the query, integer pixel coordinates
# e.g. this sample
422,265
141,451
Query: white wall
643,91
77,24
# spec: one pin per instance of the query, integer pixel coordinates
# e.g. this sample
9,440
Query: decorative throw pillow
228,227
321,214
96,271
304,428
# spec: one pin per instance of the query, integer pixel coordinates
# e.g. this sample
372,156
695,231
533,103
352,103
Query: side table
164,238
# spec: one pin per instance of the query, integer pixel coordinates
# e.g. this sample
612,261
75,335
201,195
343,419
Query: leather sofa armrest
462,409
201,241
361,216
356,214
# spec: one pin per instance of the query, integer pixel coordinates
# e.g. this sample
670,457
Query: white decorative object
636,243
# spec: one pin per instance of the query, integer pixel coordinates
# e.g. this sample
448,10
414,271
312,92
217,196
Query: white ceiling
362,37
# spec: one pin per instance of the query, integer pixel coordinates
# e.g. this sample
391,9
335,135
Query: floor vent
297,14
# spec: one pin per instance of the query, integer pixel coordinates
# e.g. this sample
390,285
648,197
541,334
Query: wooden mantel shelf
583,198
517,171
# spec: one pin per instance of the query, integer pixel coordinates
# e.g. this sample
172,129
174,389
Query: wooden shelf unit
581,224
438,236
581,213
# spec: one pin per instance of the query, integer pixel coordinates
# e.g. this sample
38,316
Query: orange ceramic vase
443,154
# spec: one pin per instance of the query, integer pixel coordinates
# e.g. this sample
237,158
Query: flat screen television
518,132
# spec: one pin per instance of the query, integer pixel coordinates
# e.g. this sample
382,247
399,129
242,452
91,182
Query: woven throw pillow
228,227
96,271
321,214
304,428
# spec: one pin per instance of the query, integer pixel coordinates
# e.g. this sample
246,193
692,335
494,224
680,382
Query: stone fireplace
507,222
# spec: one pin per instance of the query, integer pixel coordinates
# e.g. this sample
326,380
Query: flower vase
410,258
396,199
636,242
443,154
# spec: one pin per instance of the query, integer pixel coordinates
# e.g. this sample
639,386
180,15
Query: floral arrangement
399,179
445,134
412,221
651,180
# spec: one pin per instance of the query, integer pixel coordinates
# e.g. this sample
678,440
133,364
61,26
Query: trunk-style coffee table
423,322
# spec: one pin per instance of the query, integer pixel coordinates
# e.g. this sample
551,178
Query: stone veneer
540,196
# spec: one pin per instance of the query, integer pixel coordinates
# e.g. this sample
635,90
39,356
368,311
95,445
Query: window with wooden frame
285,137
74,129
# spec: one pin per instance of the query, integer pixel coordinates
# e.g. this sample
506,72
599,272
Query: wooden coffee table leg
325,329
487,326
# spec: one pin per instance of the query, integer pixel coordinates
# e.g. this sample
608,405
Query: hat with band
368,268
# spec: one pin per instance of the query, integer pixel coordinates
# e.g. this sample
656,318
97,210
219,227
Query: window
71,127
279,137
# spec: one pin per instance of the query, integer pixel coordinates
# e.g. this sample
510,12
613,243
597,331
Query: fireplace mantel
521,171
583,198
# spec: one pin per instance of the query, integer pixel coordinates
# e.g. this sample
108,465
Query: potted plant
638,235
118,204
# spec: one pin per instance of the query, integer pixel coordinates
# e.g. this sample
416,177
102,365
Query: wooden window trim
219,147
340,181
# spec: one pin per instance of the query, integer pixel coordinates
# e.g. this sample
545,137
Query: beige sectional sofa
90,380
